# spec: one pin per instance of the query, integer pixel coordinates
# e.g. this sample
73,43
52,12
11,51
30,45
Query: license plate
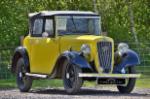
110,81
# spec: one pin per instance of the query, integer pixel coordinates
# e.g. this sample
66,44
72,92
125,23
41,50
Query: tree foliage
114,15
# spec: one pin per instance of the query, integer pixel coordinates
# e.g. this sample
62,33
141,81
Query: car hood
75,41
87,38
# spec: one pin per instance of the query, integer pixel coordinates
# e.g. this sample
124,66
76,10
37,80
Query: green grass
143,82
11,83
47,83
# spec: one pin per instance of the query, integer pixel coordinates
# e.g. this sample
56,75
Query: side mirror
45,34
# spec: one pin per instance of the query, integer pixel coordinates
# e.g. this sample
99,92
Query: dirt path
86,93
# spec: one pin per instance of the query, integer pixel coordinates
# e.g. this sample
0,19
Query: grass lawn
143,82
11,83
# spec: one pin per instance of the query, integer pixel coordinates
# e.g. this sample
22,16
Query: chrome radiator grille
105,55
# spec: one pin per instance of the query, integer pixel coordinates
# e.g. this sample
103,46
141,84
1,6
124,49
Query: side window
38,26
49,26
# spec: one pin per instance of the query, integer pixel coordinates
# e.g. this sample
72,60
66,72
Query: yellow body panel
44,52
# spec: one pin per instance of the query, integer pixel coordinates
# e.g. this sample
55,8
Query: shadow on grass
91,92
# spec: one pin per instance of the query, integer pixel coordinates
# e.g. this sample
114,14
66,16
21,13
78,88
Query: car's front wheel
24,82
130,82
72,83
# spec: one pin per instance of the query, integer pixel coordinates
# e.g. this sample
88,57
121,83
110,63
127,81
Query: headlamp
85,49
122,47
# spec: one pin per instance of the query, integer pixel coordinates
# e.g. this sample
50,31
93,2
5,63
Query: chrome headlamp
85,49
122,47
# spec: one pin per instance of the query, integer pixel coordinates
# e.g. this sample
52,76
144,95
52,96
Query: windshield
74,25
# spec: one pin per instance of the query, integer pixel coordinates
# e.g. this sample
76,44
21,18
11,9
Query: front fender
77,59
129,58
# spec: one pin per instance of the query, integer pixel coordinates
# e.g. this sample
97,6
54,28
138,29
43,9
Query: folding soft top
52,13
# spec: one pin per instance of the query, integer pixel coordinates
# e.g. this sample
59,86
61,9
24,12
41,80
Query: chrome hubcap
20,74
67,76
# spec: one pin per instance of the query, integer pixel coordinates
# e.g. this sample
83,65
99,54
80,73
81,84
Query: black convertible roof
52,13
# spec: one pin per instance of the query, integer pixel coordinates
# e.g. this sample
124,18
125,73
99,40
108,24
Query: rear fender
20,52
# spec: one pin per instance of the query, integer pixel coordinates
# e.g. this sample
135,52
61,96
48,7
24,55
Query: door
44,47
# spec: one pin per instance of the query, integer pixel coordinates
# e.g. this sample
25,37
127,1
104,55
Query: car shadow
91,92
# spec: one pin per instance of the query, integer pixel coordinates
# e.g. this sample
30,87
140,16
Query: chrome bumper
90,75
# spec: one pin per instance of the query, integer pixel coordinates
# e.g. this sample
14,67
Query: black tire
72,83
24,82
130,82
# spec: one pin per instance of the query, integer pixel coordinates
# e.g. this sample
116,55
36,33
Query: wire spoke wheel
130,82
24,82
72,82
70,77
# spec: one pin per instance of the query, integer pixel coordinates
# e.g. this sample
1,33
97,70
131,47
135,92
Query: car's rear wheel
24,82
72,83
130,83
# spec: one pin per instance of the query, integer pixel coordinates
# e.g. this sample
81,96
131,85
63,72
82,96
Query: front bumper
96,75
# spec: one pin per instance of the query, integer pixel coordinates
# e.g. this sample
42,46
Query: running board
37,75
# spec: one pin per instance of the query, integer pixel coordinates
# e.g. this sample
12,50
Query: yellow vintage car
70,45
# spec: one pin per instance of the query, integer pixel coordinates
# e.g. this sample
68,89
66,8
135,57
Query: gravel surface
86,93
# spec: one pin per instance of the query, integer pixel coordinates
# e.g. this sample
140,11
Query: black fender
72,57
76,59
128,58
18,53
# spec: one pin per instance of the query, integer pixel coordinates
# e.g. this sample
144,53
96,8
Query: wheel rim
130,82
22,79
127,80
69,76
